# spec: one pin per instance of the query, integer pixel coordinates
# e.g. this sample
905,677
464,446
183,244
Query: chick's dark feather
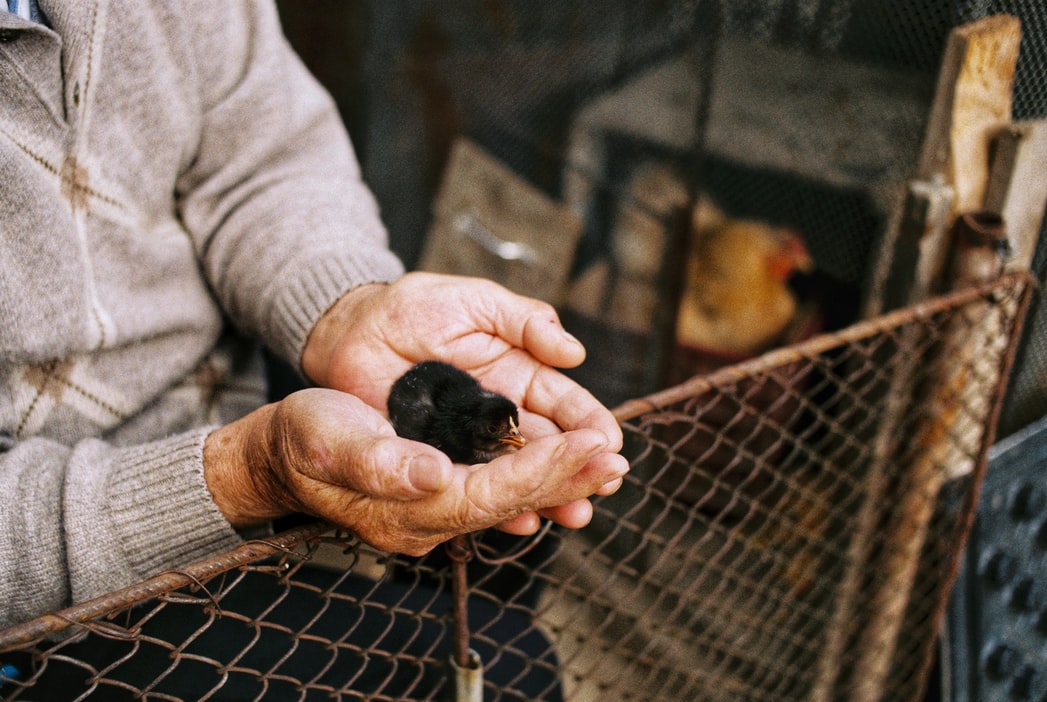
445,407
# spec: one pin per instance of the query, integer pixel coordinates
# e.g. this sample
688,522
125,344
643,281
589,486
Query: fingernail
426,474
572,338
611,487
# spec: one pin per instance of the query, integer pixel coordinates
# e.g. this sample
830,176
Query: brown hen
736,300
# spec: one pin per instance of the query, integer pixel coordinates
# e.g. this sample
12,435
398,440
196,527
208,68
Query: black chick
445,407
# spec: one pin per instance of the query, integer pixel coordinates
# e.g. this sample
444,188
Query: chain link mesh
521,77
789,531
791,524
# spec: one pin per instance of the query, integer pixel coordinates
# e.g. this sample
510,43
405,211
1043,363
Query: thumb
349,444
388,467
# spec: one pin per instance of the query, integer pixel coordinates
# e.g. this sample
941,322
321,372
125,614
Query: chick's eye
492,428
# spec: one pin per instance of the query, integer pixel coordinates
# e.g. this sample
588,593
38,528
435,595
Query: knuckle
383,462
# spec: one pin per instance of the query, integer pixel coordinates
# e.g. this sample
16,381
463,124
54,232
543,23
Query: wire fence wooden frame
789,531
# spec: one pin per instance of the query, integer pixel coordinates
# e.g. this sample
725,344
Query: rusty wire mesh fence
789,531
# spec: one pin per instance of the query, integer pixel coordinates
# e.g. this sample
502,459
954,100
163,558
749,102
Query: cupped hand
327,453
510,343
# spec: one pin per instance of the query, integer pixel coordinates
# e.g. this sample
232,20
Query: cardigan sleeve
52,498
281,225
274,199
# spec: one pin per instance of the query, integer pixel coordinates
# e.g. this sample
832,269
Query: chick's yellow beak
513,437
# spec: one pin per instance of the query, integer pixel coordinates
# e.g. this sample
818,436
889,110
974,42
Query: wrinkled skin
330,451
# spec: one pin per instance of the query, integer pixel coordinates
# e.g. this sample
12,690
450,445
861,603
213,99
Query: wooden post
972,102
1017,188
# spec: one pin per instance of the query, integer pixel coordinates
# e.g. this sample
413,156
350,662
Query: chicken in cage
740,209
763,594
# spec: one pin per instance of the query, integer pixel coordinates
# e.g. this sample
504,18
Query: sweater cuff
315,288
159,511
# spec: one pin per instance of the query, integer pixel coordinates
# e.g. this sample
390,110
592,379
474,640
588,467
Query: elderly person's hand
327,453
512,344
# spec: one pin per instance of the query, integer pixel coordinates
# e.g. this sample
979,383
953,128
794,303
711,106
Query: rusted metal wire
741,559
973,495
195,574
460,553
814,346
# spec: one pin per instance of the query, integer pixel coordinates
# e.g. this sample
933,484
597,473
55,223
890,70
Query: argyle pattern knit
174,189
